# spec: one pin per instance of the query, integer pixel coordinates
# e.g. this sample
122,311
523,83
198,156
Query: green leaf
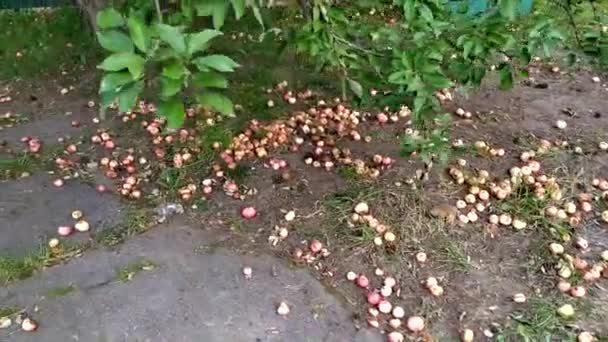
124,60
219,14
198,41
109,18
216,62
215,8
398,77
173,110
111,82
173,36
217,102
467,47
170,87
426,14
127,98
106,98
258,16
139,33
115,41
409,9
210,79
478,49
174,70
355,87
187,10
437,81
204,8
506,76
508,8
419,103
416,84
239,8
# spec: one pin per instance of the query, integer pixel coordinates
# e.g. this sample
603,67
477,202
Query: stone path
31,209
192,293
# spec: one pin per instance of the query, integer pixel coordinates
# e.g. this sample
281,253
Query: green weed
11,168
455,256
348,173
18,268
127,272
239,173
12,269
60,291
22,164
217,133
539,321
525,205
432,146
339,206
135,222
7,311
171,179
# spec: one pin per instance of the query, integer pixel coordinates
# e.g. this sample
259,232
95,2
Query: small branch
355,46
158,11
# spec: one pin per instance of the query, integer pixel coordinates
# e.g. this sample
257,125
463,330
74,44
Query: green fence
476,7
473,7
25,4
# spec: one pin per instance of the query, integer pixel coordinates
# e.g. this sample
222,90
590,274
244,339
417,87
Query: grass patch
239,173
47,41
60,291
202,204
339,206
539,321
348,173
527,141
6,311
136,221
455,256
9,120
468,150
172,179
25,163
12,269
127,272
216,133
357,236
523,204
18,268
11,168
540,261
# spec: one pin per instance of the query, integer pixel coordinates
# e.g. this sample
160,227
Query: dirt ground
479,265
482,266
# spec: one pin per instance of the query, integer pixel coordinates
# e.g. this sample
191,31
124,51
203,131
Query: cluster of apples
361,215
